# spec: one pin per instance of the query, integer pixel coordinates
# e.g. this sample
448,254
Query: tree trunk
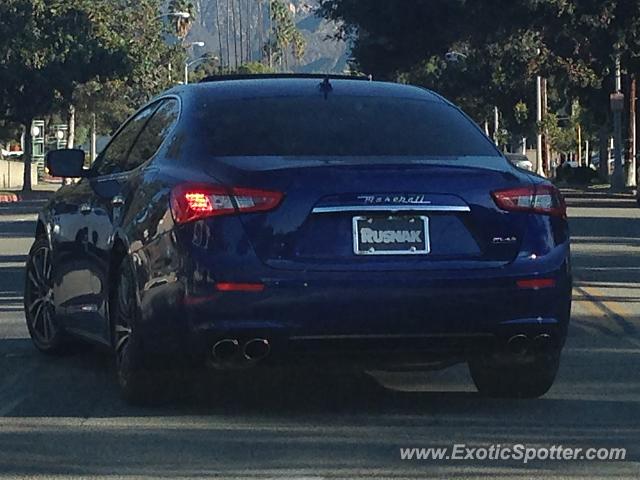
248,37
219,28
260,30
235,34
28,153
269,35
228,34
71,132
604,153
241,32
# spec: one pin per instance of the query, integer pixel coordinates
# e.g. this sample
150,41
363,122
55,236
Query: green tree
154,62
48,48
507,43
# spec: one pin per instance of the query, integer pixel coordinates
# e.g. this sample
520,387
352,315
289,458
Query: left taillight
544,199
193,202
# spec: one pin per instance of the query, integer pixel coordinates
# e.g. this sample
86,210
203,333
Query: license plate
391,235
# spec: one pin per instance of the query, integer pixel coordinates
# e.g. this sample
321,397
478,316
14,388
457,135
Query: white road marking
604,269
589,351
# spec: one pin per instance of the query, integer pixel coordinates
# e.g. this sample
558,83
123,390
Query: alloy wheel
39,297
124,312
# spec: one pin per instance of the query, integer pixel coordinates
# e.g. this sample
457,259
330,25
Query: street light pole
193,62
631,163
187,63
617,106
184,15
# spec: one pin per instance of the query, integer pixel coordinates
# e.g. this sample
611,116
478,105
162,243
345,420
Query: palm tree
219,28
284,35
260,28
235,33
228,34
241,31
298,45
248,35
182,25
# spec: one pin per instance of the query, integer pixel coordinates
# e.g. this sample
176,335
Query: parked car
520,160
595,162
303,220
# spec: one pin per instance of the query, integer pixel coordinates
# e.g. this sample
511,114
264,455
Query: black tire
495,377
46,333
139,383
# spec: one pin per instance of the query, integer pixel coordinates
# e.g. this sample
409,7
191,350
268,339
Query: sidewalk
42,191
598,196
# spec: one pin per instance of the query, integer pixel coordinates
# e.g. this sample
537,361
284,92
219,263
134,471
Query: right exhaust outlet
519,344
256,349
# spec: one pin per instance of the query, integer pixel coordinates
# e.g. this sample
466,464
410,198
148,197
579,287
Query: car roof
300,86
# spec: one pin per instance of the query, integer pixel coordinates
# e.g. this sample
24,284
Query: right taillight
191,202
544,199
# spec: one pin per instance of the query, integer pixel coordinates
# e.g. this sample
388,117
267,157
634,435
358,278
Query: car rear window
338,126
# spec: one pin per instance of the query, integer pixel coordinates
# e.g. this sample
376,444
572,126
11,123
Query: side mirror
66,163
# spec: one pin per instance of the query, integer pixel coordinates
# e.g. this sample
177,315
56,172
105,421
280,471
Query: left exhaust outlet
225,349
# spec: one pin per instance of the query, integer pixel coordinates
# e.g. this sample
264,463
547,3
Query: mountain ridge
323,53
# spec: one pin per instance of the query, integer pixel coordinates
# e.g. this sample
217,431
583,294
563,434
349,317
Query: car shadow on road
83,385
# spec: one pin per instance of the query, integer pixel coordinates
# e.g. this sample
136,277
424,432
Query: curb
8,197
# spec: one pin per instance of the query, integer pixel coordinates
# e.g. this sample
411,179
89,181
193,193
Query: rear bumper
373,318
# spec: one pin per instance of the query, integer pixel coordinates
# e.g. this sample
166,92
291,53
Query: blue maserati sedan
292,220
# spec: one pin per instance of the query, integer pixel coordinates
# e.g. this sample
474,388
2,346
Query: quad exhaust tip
543,343
256,349
522,344
225,349
519,344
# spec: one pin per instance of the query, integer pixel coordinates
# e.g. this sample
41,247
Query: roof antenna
326,87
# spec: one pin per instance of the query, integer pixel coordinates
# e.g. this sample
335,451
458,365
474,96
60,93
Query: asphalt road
62,418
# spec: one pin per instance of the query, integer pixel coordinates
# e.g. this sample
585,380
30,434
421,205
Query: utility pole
587,156
546,144
631,155
579,144
539,167
617,106
496,126
93,144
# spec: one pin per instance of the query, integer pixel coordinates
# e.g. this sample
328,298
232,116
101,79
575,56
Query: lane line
604,269
603,350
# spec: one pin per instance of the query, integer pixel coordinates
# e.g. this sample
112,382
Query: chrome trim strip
392,208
